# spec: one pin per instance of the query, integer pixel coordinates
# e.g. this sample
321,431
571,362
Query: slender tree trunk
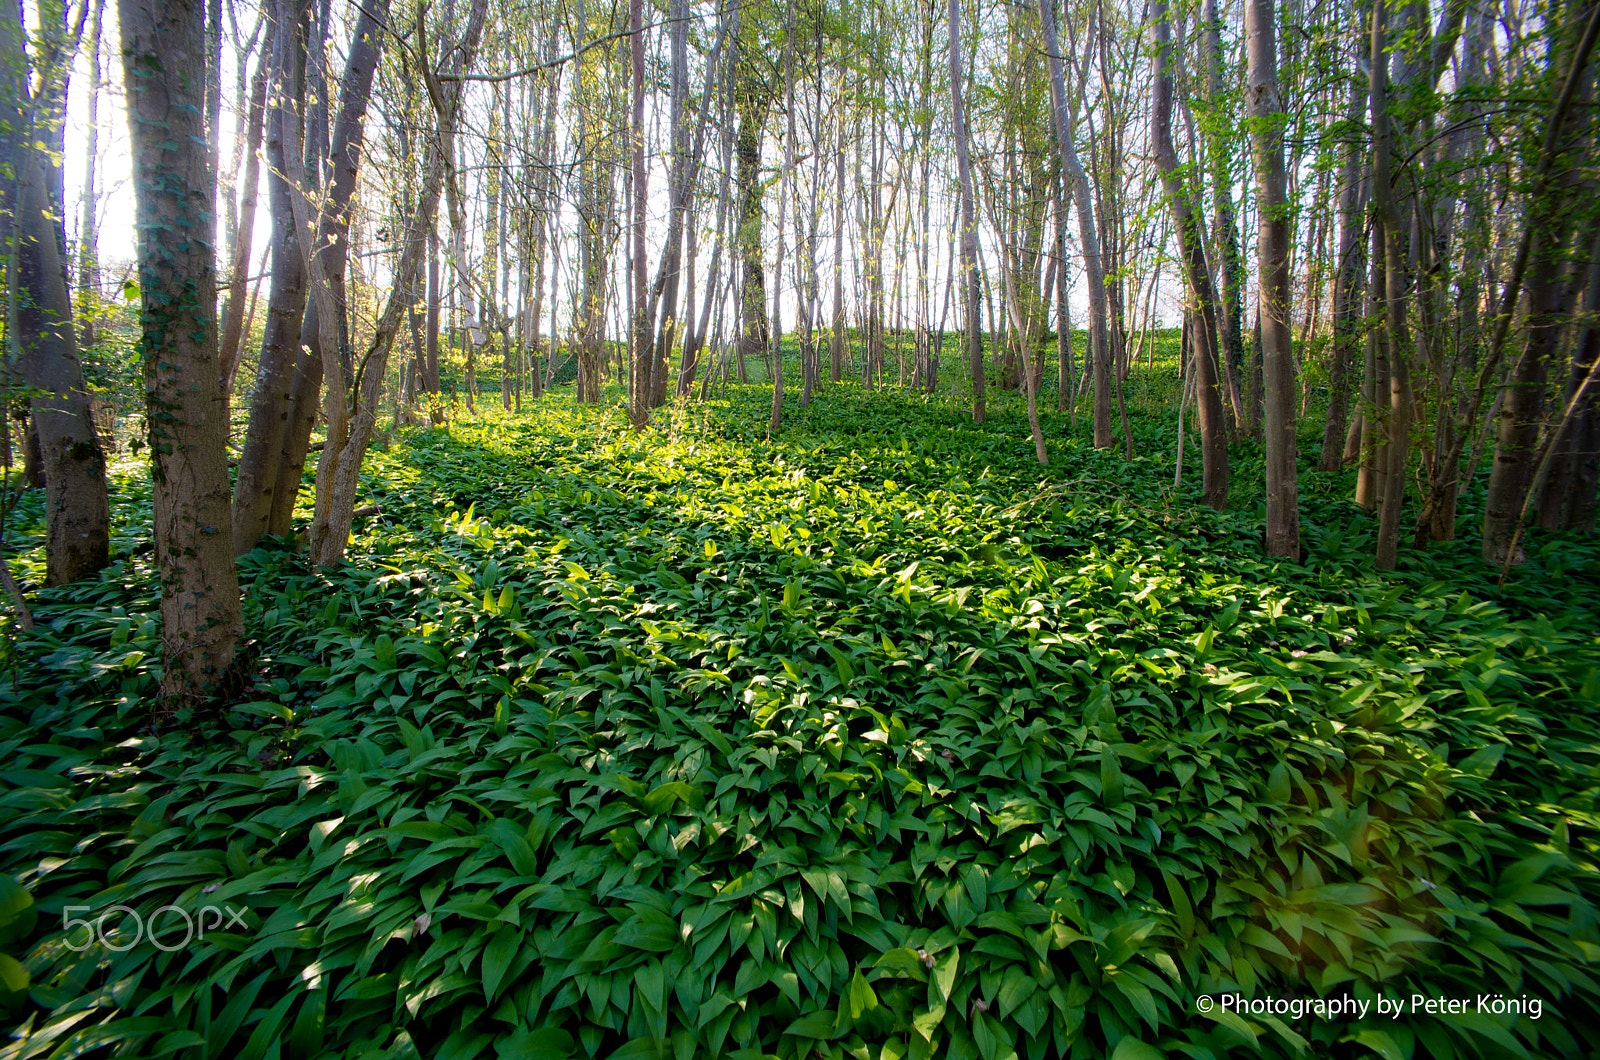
327,342
1225,232
969,227
262,458
339,469
544,215
1545,248
836,331
1088,234
89,205
1265,110
201,611
1390,222
753,103
1346,290
40,335
1213,441
681,184
233,333
642,349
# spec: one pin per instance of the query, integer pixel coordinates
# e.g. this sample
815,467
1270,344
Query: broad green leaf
502,949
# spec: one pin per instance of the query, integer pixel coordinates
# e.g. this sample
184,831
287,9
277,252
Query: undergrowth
874,740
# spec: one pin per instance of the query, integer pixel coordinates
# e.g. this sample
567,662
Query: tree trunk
642,348
1389,225
1546,246
969,227
1225,232
754,101
1213,442
1272,252
89,206
262,458
233,334
40,332
338,471
188,423
327,343
1088,234
836,338
1346,290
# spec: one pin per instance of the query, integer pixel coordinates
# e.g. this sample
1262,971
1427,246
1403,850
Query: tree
262,457
1265,110
1213,444
352,409
42,345
163,48
969,226
89,201
1548,240
325,328
1088,234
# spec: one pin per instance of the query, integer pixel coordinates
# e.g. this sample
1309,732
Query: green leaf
944,972
901,963
1379,1042
1182,908
821,1025
544,1043
1231,1020
14,898
862,999
1483,761
1110,777
13,976
1133,1049
502,949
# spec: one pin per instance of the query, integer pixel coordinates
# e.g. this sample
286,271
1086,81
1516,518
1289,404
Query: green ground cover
876,740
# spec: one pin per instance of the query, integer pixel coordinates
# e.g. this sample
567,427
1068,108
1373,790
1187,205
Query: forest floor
878,739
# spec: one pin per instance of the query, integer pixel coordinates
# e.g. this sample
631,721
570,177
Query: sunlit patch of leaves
874,739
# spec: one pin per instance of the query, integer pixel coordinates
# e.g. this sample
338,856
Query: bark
430,378
239,275
1346,290
1541,255
594,210
1213,443
339,469
783,204
969,227
666,286
325,329
40,332
262,457
1225,230
213,89
1389,228
836,329
1088,234
642,346
188,422
1265,110
88,203
754,100
1065,372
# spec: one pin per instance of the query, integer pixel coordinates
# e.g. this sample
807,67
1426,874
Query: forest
799,528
